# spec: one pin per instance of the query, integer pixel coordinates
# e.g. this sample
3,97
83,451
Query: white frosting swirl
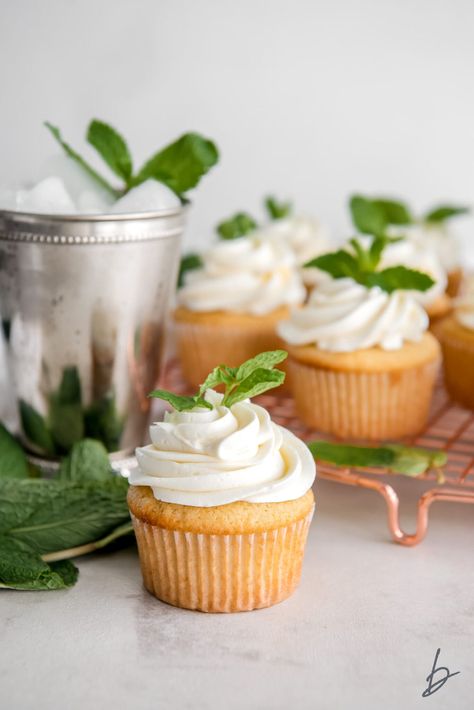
305,236
246,275
436,238
342,316
207,457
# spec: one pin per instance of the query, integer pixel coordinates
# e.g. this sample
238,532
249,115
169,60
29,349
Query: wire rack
450,428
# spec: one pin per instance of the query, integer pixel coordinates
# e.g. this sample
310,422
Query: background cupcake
361,362
221,502
229,306
457,341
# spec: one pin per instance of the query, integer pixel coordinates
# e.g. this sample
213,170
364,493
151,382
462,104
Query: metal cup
83,301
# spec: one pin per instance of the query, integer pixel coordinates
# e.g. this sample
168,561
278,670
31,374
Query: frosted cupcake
362,363
221,502
228,308
457,341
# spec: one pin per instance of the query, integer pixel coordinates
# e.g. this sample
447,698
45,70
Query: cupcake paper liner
221,573
361,405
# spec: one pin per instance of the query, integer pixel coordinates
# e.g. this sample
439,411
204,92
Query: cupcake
457,342
362,364
221,501
228,308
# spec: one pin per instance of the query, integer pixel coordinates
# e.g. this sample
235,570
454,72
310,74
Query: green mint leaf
395,212
87,461
215,378
354,456
189,262
103,422
181,164
339,264
266,360
112,147
13,461
181,403
258,382
35,429
444,212
22,568
276,209
237,226
368,217
413,461
55,132
397,278
65,411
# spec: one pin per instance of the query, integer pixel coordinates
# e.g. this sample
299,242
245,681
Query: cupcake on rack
457,341
230,302
221,501
362,363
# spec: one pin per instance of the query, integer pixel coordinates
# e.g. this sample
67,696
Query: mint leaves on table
180,165
444,212
361,266
43,522
253,377
276,209
189,262
237,226
410,461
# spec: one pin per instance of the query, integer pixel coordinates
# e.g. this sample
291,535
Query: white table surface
361,631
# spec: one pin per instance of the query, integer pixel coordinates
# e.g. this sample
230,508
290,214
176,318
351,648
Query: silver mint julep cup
84,301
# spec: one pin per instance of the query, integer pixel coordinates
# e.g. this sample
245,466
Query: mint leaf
103,422
22,568
237,226
339,264
368,217
189,262
55,132
413,461
35,429
266,360
258,382
348,455
181,403
112,147
277,210
398,278
65,411
444,212
395,212
215,378
181,164
87,461
13,461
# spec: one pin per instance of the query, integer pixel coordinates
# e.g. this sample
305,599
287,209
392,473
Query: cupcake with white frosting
221,500
457,341
229,306
362,363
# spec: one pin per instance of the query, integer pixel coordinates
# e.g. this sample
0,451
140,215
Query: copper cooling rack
450,428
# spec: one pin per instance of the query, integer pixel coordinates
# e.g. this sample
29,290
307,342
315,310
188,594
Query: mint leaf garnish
266,360
181,164
237,226
112,147
361,267
13,461
257,382
410,461
189,262
444,212
276,209
395,212
55,132
180,402
368,217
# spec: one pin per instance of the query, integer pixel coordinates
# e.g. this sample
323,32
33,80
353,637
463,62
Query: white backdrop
309,99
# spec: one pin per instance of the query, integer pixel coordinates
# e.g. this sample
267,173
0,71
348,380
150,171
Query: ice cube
85,192
48,197
151,195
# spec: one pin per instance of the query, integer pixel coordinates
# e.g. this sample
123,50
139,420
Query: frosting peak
212,457
343,316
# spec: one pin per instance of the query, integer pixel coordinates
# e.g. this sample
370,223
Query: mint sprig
443,212
373,216
236,226
189,262
395,458
361,266
179,165
277,209
253,377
